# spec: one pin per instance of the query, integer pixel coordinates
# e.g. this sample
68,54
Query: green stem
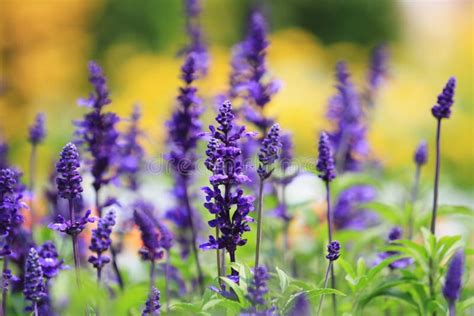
259,222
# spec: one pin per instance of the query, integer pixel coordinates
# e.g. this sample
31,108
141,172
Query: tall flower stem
35,309
259,222
113,251
435,209
326,278
414,196
152,274
74,241
218,256
167,281
194,238
330,227
436,181
452,309
32,183
5,289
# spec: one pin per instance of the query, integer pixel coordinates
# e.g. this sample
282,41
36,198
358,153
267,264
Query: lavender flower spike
421,154
334,249
101,242
152,305
34,290
37,131
257,291
224,198
194,31
325,163
442,109
69,180
453,283
269,152
378,71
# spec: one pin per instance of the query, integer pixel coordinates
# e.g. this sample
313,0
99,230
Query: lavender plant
268,154
98,135
224,198
327,173
152,305
184,131
442,110
70,188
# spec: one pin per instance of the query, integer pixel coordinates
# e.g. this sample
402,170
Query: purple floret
325,164
37,131
453,279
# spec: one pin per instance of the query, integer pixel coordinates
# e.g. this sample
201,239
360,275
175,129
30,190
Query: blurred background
45,46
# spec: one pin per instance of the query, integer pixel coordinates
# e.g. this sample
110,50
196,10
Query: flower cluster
348,139
101,241
223,161
325,164
334,249
452,284
152,304
69,180
131,152
97,131
151,237
37,132
269,152
421,154
49,260
34,289
442,109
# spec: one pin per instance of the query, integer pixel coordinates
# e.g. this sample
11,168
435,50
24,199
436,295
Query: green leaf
379,267
346,267
402,296
284,279
185,307
237,290
467,303
318,292
446,245
212,303
393,214
361,268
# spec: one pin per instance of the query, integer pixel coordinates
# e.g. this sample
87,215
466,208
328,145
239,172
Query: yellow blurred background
45,46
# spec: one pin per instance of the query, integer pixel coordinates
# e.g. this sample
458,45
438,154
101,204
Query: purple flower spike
101,241
197,45
131,152
69,180
378,67
334,249
152,305
269,152
421,154
10,205
97,131
224,198
49,260
452,285
325,163
34,289
151,237
7,181
258,287
348,139
37,131
442,109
